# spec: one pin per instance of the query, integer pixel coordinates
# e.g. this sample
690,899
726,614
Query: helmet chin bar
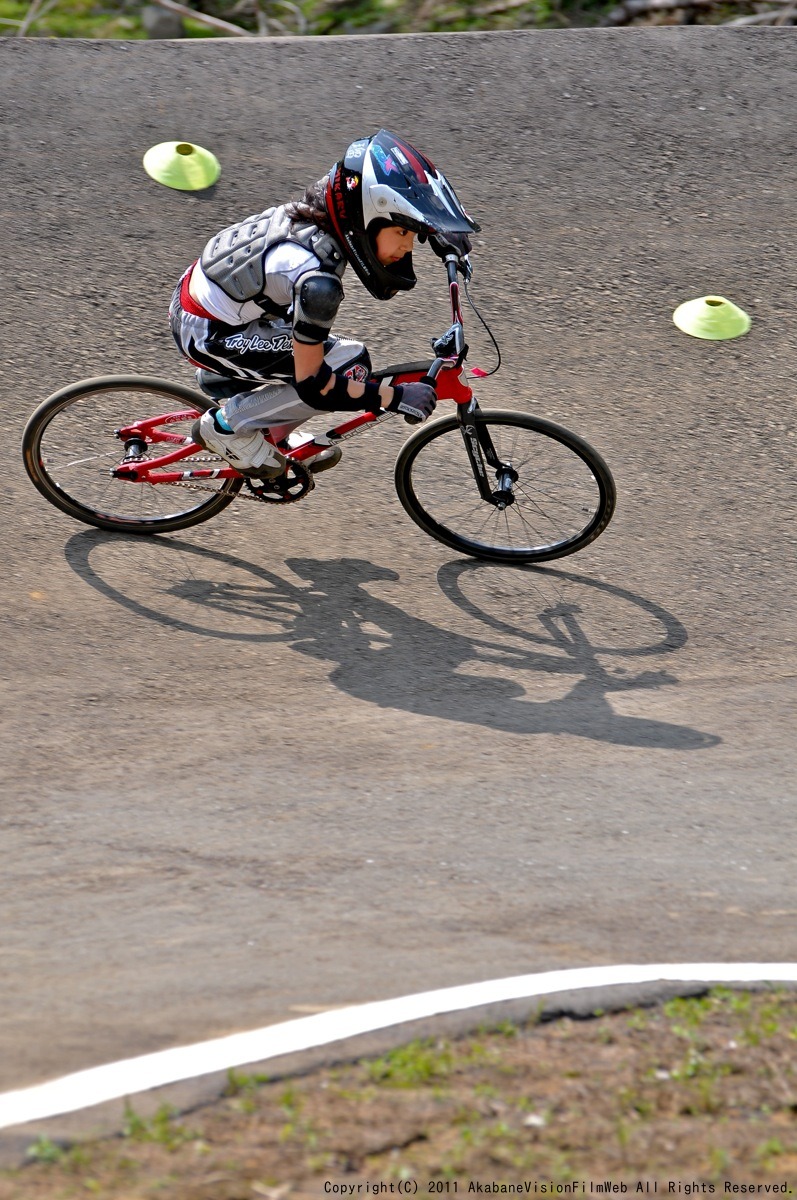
403,269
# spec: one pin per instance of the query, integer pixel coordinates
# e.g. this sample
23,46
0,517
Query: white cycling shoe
250,453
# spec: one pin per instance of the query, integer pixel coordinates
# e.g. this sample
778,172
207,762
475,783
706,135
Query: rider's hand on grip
415,402
450,243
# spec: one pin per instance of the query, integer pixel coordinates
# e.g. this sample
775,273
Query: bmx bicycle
499,485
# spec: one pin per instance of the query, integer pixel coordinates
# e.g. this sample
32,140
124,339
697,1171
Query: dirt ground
697,1094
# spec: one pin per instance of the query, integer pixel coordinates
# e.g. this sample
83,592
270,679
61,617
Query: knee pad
348,357
309,390
361,367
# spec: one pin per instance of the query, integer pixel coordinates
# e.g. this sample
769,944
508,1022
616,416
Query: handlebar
458,266
453,340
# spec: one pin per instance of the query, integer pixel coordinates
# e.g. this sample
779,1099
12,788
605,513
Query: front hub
503,495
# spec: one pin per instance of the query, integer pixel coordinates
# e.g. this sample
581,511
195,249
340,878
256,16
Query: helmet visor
408,188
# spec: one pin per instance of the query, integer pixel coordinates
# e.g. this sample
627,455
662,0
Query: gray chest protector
233,259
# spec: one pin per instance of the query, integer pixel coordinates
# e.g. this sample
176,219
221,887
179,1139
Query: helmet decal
387,163
412,161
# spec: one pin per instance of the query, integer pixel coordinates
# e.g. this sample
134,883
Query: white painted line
115,1080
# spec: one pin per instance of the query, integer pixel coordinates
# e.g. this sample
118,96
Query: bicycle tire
83,487
561,478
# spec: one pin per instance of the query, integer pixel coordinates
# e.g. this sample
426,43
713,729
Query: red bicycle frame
444,372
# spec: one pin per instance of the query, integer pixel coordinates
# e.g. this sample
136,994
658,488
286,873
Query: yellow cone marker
182,165
711,317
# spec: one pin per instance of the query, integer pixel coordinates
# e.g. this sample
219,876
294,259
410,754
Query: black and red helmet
382,180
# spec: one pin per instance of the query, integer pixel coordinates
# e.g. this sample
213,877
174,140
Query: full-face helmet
382,180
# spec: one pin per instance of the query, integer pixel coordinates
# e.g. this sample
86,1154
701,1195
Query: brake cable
489,332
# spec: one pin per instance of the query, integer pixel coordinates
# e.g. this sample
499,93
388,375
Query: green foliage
160,1128
418,1063
638,1020
73,18
688,1014
719,1160
296,1128
726,1095
507,1029
98,19
44,1150
769,1150
632,1100
239,1082
121,19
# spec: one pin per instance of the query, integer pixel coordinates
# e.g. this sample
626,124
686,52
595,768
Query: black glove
415,401
450,243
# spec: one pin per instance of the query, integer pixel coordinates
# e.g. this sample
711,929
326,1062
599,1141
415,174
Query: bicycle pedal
330,457
328,454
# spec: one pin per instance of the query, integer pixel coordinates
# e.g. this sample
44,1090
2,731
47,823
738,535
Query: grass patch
696,1090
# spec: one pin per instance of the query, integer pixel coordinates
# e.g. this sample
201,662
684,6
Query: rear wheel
70,449
552,494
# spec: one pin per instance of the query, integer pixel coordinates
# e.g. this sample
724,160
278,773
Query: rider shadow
394,660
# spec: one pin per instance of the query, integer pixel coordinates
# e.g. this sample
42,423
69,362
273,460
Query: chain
243,494
207,487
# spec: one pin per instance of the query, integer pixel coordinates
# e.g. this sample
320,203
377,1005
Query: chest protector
233,259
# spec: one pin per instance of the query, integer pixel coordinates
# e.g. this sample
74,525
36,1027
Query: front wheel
550,494
70,448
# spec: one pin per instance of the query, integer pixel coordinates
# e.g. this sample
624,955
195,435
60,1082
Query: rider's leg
277,406
248,369
222,352
218,387
235,360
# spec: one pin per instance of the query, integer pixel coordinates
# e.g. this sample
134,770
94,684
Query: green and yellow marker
711,317
182,165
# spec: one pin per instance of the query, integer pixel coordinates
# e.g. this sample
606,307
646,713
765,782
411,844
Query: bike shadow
394,659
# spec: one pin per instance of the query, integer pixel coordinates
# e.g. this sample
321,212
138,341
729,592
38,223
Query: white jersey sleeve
283,265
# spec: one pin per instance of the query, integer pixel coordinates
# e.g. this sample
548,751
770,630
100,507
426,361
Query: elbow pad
316,300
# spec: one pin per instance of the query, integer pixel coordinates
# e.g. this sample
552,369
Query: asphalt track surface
290,761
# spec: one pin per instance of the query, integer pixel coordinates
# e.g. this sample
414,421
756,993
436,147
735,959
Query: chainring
294,484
